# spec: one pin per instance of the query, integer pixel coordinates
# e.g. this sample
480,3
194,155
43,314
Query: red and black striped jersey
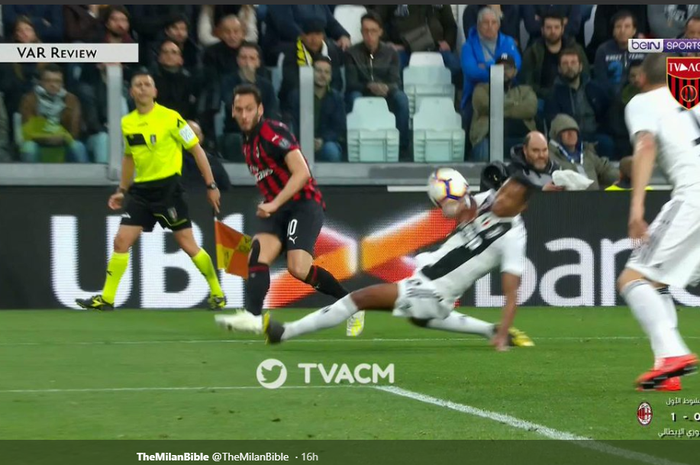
265,149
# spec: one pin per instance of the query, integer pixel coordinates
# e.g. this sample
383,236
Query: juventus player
668,251
490,233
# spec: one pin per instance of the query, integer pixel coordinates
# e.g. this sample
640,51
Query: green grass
578,378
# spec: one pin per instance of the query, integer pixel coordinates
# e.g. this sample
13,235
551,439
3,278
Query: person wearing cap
484,44
310,45
519,111
568,150
285,25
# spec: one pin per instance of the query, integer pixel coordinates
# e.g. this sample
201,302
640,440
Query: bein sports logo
335,374
644,414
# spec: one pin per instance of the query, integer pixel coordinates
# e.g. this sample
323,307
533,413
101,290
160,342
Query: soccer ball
446,184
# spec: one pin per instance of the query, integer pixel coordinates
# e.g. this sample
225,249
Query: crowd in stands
573,89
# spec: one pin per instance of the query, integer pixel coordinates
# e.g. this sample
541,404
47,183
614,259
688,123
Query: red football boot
670,367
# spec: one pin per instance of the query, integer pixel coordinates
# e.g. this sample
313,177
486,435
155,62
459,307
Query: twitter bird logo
266,371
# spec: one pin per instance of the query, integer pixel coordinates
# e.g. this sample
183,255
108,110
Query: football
446,184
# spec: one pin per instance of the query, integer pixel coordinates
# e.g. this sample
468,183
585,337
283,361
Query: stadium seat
426,59
372,135
420,82
438,136
349,17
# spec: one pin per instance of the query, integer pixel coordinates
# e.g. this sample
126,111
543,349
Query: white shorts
672,254
419,299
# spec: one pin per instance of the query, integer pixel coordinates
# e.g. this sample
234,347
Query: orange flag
232,249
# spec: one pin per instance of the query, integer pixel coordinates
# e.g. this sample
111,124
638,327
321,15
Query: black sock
258,281
325,282
256,288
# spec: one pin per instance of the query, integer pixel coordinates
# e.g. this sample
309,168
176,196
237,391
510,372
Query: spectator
211,15
5,150
249,62
285,24
692,31
82,22
612,58
117,26
568,150
531,161
47,19
177,88
576,95
20,78
51,119
541,59
508,14
149,21
372,69
92,92
519,111
421,28
692,28
220,58
669,21
484,44
624,182
618,128
192,176
533,18
177,30
603,26
329,115
310,46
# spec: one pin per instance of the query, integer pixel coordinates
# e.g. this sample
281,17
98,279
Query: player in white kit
489,235
668,251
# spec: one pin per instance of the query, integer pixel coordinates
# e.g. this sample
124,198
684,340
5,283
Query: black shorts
163,201
297,225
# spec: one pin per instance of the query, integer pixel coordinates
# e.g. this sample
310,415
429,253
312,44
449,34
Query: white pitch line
313,341
542,430
150,389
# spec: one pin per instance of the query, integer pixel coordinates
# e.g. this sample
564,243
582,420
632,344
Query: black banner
55,241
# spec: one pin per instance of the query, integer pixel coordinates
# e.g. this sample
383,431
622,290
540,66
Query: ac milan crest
644,414
683,80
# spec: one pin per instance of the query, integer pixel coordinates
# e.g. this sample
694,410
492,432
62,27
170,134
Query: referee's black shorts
297,225
163,201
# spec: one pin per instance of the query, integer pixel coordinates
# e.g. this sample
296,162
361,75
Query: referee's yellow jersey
155,141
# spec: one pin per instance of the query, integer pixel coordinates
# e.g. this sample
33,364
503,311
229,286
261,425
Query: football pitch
175,375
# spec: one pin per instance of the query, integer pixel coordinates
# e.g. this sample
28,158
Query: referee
154,137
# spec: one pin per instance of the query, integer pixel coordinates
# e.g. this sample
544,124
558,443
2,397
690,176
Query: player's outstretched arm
642,168
300,176
200,158
510,284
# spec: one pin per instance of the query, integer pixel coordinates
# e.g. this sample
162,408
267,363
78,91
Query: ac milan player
292,212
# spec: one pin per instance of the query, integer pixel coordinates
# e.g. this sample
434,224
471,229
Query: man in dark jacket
372,70
541,59
220,58
47,19
329,115
612,59
533,18
312,44
177,89
177,30
584,100
192,177
285,25
531,161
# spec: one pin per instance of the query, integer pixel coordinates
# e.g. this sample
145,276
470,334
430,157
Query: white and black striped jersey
475,248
